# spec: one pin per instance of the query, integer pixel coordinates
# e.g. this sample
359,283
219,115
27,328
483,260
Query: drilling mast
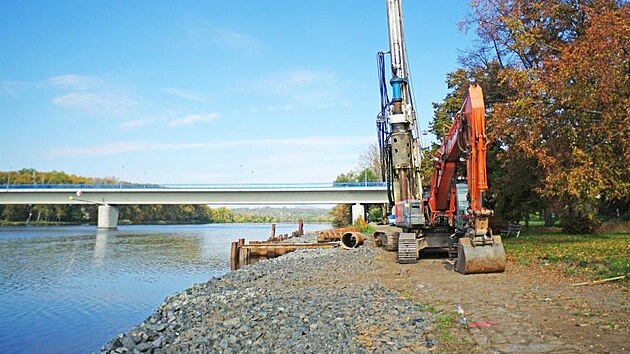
401,114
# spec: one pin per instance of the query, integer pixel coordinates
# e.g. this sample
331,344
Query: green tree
15,212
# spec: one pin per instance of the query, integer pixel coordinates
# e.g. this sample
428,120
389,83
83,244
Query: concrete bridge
108,197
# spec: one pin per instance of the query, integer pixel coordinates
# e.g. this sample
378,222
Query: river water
70,289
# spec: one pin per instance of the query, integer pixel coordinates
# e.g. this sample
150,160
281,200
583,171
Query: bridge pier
358,210
107,217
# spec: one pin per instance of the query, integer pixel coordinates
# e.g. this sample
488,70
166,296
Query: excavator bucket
486,258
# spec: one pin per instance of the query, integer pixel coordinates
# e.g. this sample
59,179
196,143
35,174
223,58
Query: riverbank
361,300
304,301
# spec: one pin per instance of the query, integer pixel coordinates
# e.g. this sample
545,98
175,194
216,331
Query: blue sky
207,91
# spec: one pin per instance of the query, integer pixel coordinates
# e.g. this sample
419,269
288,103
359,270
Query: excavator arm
478,251
466,138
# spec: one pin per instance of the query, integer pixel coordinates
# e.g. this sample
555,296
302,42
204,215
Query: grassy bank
594,257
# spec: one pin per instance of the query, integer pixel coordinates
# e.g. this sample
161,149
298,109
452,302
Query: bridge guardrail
256,186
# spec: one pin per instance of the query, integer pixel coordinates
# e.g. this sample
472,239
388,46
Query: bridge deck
311,193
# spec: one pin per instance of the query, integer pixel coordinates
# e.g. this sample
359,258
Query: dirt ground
523,310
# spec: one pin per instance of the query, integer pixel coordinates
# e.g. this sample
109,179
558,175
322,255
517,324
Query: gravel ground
308,301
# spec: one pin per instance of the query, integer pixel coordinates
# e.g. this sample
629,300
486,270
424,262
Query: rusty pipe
351,240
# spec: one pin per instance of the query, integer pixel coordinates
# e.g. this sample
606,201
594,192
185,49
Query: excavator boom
478,251
466,137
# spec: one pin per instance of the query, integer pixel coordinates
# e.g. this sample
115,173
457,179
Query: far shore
127,222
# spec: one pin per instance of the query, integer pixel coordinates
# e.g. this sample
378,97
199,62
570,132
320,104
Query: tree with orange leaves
562,122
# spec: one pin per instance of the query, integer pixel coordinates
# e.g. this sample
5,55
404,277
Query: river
70,289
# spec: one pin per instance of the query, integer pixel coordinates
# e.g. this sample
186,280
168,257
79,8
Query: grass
363,226
368,229
450,334
592,256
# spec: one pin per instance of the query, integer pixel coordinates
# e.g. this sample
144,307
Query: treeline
135,214
32,176
556,80
131,214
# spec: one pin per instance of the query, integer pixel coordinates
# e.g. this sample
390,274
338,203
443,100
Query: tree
569,112
341,215
371,159
15,212
523,33
556,79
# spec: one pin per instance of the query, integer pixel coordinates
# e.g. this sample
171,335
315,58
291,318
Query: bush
375,213
580,224
360,223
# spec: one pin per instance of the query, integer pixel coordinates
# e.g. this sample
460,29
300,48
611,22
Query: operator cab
461,218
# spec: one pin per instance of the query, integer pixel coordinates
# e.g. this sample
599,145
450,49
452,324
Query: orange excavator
450,214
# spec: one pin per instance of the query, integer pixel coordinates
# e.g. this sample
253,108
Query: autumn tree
564,120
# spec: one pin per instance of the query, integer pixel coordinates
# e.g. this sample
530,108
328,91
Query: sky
192,92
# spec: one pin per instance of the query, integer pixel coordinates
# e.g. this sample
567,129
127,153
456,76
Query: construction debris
334,234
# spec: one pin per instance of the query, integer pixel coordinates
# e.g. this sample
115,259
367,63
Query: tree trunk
548,218
527,221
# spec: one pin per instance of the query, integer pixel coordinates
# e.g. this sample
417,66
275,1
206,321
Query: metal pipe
351,240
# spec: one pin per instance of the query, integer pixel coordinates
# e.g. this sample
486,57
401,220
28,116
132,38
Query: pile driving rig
450,213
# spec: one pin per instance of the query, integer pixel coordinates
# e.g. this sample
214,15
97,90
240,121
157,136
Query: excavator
449,214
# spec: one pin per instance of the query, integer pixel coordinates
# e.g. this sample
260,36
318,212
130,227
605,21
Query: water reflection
100,246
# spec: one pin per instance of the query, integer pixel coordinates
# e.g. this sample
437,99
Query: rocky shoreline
308,301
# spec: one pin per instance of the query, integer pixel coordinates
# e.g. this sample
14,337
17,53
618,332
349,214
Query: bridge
108,197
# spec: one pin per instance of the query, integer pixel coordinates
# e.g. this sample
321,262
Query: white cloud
305,89
12,88
290,81
108,149
279,108
308,77
89,94
75,82
236,40
98,103
316,141
66,82
298,159
196,177
185,94
294,143
194,118
133,124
